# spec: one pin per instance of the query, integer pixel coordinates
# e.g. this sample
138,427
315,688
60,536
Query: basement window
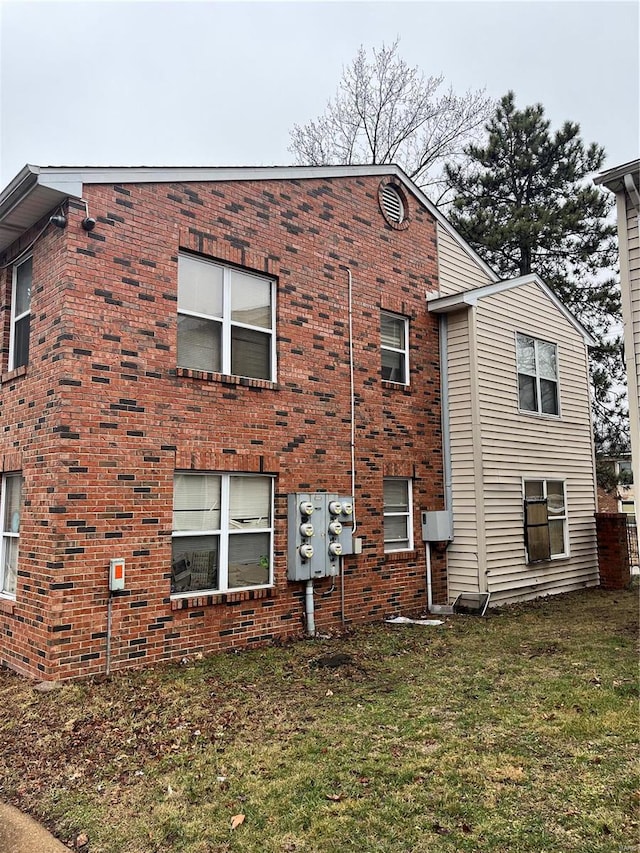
222,533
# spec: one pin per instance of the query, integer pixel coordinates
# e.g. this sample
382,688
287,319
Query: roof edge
470,298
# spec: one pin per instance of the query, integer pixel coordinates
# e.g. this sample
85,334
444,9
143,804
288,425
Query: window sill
9,375
225,378
7,605
400,556
396,386
539,415
186,601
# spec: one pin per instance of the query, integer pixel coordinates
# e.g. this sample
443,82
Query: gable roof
470,298
37,190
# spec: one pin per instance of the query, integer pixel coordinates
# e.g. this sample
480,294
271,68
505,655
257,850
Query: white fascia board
468,298
616,175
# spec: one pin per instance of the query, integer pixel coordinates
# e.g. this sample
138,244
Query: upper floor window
545,521
225,319
10,493
20,314
537,375
394,341
398,515
222,532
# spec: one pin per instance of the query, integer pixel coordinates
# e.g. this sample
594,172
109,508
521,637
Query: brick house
182,350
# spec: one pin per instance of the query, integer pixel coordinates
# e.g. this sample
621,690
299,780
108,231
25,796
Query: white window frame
16,318
227,323
564,518
538,411
402,350
8,535
388,547
224,532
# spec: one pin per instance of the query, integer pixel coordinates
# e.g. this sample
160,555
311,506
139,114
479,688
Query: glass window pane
534,489
547,360
250,353
549,394
196,502
249,502
249,556
396,496
526,355
199,343
21,341
528,393
10,564
194,563
250,299
556,533
11,522
199,286
555,497
24,280
393,366
392,331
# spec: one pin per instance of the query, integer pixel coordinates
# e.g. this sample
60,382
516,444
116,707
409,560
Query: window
222,532
10,514
395,351
225,319
545,509
537,375
398,516
20,314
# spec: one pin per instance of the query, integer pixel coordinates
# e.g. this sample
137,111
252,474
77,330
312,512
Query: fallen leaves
237,820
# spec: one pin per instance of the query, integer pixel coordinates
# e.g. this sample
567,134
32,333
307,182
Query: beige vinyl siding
462,553
519,445
632,326
457,270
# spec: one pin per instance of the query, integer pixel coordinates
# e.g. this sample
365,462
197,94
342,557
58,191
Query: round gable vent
393,205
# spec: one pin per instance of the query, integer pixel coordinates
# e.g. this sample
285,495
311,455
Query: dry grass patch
517,732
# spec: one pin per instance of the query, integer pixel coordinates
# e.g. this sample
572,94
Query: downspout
352,392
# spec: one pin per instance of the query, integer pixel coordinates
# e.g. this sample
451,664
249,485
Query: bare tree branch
385,111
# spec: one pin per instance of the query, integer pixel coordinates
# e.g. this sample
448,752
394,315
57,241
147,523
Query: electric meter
306,551
335,507
335,549
306,530
306,508
347,508
335,528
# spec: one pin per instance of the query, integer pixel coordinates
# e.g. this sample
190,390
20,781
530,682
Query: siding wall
493,445
517,445
630,280
457,270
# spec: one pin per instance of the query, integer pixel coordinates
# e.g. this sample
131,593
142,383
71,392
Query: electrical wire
31,244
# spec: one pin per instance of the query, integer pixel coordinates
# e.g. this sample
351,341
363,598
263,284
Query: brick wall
613,551
102,418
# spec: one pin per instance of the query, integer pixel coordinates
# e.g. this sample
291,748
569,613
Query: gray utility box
437,526
320,532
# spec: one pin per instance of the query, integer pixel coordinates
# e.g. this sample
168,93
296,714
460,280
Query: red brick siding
106,419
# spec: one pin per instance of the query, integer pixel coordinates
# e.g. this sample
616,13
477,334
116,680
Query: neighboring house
620,497
195,359
522,477
624,181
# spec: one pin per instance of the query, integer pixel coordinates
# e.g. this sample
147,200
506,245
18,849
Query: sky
223,83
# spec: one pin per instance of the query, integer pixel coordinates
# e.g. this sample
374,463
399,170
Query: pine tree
526,203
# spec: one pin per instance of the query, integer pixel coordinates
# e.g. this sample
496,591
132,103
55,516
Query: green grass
514,733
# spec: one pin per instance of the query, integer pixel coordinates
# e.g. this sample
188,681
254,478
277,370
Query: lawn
513,733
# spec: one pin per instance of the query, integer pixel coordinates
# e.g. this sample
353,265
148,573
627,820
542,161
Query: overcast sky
217,83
